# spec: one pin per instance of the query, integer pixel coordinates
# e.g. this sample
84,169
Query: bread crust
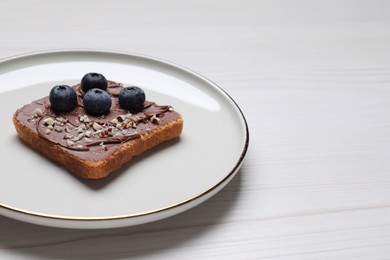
96,169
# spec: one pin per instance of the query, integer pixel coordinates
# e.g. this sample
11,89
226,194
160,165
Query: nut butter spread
90,137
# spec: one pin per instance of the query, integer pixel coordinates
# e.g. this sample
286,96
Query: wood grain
312,78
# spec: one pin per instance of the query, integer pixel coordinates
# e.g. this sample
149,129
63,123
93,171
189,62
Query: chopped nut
110,131
50,127
48,121
47,131
79,137
114,121
70,143
103,134
121,118
58,129
81,128
88,133
130,124
37,112
154,119
87,140
61,119
67,129
128,116
96,126
136,118
68,136
84,118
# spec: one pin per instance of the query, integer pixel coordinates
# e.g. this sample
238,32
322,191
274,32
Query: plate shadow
139,241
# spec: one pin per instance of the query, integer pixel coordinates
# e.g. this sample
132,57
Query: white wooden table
312,78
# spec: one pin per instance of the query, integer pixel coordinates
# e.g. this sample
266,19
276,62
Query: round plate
169,179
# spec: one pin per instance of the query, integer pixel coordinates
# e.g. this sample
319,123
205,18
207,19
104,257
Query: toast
94,146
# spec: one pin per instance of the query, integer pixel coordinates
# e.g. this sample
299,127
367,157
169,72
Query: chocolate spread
90,137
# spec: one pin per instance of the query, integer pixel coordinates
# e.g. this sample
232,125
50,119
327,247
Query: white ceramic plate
160,183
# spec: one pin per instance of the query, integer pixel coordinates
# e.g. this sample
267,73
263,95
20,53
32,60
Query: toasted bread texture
92,147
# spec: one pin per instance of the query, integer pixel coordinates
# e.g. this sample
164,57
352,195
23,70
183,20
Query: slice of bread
93,147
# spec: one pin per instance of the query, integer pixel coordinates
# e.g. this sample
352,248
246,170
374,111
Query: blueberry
93,80
63,99
97,102
132,98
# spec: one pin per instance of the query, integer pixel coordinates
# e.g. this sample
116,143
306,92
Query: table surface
313,80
